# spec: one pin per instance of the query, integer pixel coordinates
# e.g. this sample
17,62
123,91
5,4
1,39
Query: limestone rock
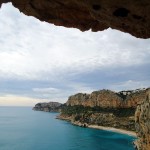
105,99
135,98
104,108
109,99
142,120
127,16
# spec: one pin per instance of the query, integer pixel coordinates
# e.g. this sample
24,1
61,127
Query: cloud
46,90
36,50
40,60
13,100
131,85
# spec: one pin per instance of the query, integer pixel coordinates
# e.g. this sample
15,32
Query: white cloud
80,88
130,85
36,51
40,51
46,90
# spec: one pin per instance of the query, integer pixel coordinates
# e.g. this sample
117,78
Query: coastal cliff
104,108
129,110
108,99
142,124
48,107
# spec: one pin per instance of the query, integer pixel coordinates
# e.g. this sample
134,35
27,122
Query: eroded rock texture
142,119
130,16
108,99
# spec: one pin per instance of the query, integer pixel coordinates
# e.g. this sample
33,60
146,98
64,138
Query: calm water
24,129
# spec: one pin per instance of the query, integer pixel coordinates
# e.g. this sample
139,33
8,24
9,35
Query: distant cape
48,107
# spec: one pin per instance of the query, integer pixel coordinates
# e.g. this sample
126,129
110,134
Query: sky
40,62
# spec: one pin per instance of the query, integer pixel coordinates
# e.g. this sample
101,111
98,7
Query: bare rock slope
109,99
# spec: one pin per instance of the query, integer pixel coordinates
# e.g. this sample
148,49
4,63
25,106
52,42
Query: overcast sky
43,62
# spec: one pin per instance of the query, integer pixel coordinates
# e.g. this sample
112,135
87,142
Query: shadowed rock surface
127,16
85,116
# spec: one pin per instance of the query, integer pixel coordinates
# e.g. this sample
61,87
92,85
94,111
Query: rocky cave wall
131,16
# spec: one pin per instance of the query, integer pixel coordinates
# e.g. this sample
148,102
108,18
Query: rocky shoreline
69,119
85,125
98,119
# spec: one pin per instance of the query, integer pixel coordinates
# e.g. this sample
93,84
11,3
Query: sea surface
21,128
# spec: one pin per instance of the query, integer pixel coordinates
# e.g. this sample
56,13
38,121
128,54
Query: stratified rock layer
142,120
130,16
109,99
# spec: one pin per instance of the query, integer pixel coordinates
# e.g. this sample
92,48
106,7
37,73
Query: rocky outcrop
104,108
103,98
48,107
100,119
127,16
142,120
135,98
118,104
109,99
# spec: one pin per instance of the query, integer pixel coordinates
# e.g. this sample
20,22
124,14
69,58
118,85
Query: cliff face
127,16
142,120
104,107
48,107
103,98
107,108
109,99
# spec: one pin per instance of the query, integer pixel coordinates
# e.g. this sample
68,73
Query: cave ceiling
130,16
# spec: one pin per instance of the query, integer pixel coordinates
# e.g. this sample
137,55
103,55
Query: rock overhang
127,16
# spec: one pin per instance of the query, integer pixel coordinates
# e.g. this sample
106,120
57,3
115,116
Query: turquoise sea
21,128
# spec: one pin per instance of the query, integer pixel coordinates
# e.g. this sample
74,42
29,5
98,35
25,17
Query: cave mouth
138,28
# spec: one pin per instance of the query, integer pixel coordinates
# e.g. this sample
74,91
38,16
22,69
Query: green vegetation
79,109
